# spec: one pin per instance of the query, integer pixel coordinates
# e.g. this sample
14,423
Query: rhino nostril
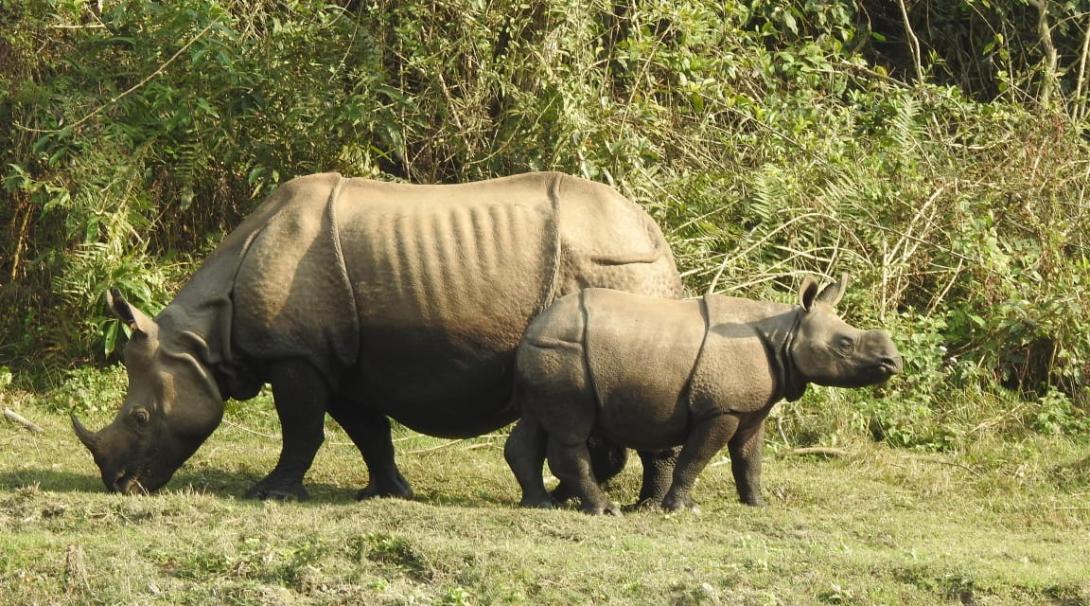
892,363
120,481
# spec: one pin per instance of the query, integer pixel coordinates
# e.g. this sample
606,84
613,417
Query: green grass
1002,523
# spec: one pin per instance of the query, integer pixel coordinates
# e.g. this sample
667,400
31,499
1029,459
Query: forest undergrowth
938,154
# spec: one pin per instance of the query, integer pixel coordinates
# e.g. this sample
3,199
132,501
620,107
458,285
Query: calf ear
833,293
135,319
808,292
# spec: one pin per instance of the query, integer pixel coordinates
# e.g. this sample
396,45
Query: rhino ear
808,292
833,293
136,320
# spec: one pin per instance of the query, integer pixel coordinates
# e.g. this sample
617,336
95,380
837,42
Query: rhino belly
446,279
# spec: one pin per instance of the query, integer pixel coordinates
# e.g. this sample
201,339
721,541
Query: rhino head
172,405
827,351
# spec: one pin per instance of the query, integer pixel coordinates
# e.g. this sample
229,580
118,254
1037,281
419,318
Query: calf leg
300,394
571,463
525,454
606,460
658,469
745,462
708,437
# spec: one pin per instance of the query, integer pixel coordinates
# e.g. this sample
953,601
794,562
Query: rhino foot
754,501
546,502
395,490
562,493
648,504
277,492
609,508
672,504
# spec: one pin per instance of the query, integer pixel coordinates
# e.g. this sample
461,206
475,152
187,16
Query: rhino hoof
371,492
675,504
542,503
561,494
648,504
609,509
278,493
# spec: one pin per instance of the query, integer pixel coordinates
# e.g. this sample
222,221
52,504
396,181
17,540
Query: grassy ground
1004,523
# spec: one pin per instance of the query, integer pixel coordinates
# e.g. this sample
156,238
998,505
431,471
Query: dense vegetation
936,150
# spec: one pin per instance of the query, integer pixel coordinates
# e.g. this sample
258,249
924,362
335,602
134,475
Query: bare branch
913,41
21,420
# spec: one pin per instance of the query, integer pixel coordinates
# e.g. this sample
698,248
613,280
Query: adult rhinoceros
368,300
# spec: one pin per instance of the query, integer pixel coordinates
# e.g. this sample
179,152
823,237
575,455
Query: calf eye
140,416
846,344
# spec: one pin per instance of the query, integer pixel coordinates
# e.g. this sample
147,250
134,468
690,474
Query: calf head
171,407
827,351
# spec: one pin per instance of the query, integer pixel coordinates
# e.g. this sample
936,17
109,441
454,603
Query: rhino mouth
891,365
886,368
129,482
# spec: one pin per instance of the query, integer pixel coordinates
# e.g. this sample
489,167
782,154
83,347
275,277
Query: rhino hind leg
370,432
299,393
525,454
607,460
658,469
571,463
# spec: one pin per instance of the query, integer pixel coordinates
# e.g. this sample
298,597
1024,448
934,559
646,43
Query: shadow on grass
50,480
222,483
212,482
439,498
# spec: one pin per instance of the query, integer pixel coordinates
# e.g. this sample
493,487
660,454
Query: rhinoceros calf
652,373
366,300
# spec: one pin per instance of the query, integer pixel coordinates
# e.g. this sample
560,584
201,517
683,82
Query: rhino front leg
707,437
745,462
525,454
658,471
300,395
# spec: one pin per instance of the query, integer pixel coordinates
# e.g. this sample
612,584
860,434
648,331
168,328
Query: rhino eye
141,416
845,344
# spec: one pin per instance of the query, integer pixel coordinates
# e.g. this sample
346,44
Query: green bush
770,139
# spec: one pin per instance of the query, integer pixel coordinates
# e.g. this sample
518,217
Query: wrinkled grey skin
369,300
654,373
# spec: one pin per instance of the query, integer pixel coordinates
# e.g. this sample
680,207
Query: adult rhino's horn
89,439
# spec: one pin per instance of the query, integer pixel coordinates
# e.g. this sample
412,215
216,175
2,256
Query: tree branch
913,41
